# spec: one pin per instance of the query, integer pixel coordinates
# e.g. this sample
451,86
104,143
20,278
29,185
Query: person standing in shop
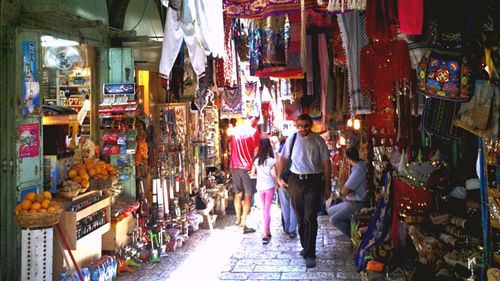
264,169
354,195
309,178
244,140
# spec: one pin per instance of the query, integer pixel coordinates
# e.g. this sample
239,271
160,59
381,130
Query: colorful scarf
231,103
352,31
379,225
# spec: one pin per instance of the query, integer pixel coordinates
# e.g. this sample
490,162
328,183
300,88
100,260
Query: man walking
244,141
309,178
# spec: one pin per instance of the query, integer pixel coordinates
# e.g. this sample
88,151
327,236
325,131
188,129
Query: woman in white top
263,168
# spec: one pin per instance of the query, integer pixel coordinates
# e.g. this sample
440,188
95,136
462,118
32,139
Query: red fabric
411,16
381,19
418,199
381,66
244,140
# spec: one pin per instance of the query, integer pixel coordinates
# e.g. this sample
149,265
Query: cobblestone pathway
227,254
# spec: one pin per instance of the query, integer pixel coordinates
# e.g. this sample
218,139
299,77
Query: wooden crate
119,235
68,220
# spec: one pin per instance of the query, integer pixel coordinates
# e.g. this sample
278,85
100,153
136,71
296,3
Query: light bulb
342,141
357,124
349,122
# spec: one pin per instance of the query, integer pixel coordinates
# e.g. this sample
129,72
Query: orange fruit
45,203
51,209
85,176
36,206
33,211
31,196
92,172
47,195
85,183
53,204
26,204
40,197
18,208
77,179
72,173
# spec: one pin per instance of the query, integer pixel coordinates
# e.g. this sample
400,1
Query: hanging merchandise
478,115
231,103
342,6
178,30
438,116
411,16
352,31
445,71
251,9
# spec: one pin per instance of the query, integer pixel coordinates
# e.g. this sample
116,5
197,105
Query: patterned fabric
342,5
378,228
448,68
231,103
352,30
477,115
257,9
438,116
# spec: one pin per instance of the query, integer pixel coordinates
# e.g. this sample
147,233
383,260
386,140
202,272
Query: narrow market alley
227,254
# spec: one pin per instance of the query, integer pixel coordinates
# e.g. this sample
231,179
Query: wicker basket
33,220
69,194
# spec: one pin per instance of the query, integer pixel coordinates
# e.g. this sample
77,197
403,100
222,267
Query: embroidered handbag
445,70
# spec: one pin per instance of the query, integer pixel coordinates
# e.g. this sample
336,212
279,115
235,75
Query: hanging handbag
444,72
286,172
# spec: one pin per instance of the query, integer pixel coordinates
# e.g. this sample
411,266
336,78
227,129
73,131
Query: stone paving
227,254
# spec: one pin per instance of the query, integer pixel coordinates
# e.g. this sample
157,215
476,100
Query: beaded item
444,72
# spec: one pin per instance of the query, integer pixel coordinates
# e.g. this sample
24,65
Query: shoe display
292,235
310,262
248,230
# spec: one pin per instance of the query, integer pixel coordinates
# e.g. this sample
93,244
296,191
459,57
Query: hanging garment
231,103
251,9
438,116
210,26
477,115
381,20
177,31
352,30
411,16
342,5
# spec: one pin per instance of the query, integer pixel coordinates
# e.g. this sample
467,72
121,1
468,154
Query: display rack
212,137
118,141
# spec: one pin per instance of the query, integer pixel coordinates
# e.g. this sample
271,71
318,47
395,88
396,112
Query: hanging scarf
379,225
231,103
411,16
352,31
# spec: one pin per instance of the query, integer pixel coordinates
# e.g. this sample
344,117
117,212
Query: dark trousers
305,194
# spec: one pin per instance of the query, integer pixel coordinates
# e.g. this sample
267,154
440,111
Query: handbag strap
291,148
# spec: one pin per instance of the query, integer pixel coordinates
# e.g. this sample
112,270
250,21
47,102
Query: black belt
307,176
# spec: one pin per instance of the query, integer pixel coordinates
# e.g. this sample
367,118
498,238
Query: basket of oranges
38,210
92,172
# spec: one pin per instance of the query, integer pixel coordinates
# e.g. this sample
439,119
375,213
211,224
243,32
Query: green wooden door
21,136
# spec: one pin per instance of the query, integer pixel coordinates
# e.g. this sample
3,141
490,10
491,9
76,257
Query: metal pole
485,214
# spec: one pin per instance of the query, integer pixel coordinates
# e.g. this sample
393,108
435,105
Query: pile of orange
37,203
91,168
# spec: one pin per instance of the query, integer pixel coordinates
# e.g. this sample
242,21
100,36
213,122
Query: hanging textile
352,30
338,50
176,31
438,116
411,16
383,65
231,103
381,20
251,9
210,26
379,225
342,5
478,115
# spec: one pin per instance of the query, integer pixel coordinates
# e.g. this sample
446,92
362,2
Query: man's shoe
248,230
265,240
292,235
303,253
310,262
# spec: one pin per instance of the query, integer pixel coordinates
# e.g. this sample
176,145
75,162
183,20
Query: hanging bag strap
291,148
